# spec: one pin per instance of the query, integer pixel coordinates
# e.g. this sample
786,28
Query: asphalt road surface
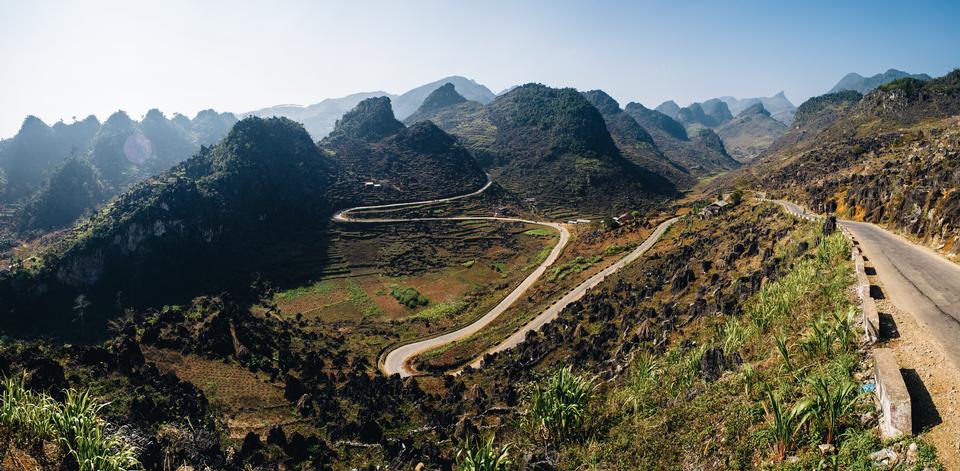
915,278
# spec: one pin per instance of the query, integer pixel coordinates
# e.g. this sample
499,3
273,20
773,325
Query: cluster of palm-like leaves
30,419
558,408
784,423
481,454
824,336
832,401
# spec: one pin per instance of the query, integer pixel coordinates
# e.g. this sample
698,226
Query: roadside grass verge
540,232
792,387
440,310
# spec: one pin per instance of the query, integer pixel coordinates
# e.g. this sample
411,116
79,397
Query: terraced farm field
461,269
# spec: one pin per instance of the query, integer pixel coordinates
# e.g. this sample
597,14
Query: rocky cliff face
887,157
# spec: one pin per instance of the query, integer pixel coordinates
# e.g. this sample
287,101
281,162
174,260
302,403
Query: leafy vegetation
480,454
31,419
573,267
793,390
440,310
558,408
319,287
540,232
73,189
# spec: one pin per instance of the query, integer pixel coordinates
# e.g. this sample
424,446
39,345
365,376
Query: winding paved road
397,361
915,278
578,292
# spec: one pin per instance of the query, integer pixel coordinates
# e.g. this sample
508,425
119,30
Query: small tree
736,196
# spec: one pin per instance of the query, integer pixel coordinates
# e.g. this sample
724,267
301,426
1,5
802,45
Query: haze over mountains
319,118
104,159
744,126
670,146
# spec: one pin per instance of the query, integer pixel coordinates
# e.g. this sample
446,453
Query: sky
60,60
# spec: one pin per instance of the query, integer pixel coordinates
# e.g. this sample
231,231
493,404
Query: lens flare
137,148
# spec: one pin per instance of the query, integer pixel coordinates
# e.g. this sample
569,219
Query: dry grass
247,401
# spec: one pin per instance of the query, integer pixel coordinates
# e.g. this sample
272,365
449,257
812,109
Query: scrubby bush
409,296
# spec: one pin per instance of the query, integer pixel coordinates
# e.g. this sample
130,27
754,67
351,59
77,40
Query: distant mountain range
746,126
778,105
751,132
858,83
780,108
320,118
114,155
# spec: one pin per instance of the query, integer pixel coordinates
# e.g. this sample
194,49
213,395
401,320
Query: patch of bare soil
933,381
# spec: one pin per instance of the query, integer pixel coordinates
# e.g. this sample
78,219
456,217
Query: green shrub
782,424
409,296
832,402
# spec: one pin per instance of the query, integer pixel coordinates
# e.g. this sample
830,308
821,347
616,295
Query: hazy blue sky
60,59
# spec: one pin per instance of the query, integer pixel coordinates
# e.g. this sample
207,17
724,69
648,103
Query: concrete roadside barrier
871,320
891,391
892,395
863,284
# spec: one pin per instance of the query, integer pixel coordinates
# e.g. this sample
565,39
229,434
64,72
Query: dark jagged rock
714,362
829,225
465,429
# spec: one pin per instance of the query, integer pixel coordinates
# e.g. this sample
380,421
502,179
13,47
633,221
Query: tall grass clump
558,407
832,402
784,424
29,419
480,454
